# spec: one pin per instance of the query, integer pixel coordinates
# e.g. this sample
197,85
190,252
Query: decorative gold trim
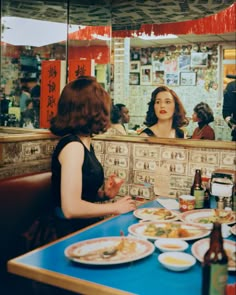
189,143
27,135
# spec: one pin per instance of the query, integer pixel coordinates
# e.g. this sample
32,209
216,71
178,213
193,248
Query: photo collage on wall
172,65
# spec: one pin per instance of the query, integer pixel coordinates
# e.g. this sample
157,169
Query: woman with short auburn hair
77,175
79,190
83,108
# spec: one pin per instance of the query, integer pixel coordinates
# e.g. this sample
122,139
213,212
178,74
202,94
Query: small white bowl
176,261
171,245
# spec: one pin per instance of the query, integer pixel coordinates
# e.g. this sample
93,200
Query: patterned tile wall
17,158
147,169
165,169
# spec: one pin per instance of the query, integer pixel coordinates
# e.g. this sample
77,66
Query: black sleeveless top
92,178
179,133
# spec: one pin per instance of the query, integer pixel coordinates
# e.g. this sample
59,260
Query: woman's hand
112,186
124,205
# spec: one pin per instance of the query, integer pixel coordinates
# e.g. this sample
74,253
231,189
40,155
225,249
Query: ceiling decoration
131,14
124,14
191,18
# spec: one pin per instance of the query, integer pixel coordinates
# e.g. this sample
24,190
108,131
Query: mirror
59,41
85,28
173,65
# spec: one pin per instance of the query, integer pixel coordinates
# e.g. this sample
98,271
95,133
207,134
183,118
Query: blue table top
139,277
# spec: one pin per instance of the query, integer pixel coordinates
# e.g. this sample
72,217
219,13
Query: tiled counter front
171,168
26,155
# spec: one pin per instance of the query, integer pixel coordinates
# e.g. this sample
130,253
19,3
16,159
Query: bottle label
199,198
218,279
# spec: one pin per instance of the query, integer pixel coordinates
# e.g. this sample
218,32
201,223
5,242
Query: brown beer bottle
215,265
197,190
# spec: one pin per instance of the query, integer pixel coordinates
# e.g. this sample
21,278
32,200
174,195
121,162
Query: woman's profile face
164,106
195,117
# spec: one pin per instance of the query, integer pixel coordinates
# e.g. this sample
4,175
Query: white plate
156,214
200,247
198,217
177,261
233,229
135,249
140,230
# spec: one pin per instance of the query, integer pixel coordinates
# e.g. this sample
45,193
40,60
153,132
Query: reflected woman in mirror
203,115
166,115
117,128
124,114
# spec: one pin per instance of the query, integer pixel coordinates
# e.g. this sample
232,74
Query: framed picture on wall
158,78
146,75
188,78
134,78
172,79
135,54
199,59
184,62
134,67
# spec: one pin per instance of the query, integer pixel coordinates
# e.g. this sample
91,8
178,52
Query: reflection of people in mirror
117,128
203,115
124,113
229,105
166,115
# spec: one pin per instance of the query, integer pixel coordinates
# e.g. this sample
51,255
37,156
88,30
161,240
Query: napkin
168,203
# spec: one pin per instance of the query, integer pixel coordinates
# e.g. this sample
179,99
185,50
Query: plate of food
200,247
153,230
208,216
109,250
156,214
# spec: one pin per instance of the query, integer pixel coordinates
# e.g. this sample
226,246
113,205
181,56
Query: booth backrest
22,200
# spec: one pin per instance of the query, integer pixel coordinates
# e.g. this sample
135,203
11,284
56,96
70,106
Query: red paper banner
219,23
78,67
50,91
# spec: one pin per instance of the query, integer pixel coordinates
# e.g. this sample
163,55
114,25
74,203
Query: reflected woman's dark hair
204,112
83,108
179,118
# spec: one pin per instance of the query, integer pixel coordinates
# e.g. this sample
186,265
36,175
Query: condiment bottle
197,190
207,194
215,265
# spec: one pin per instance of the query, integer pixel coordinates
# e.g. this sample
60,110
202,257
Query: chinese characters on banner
50,91
80,67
